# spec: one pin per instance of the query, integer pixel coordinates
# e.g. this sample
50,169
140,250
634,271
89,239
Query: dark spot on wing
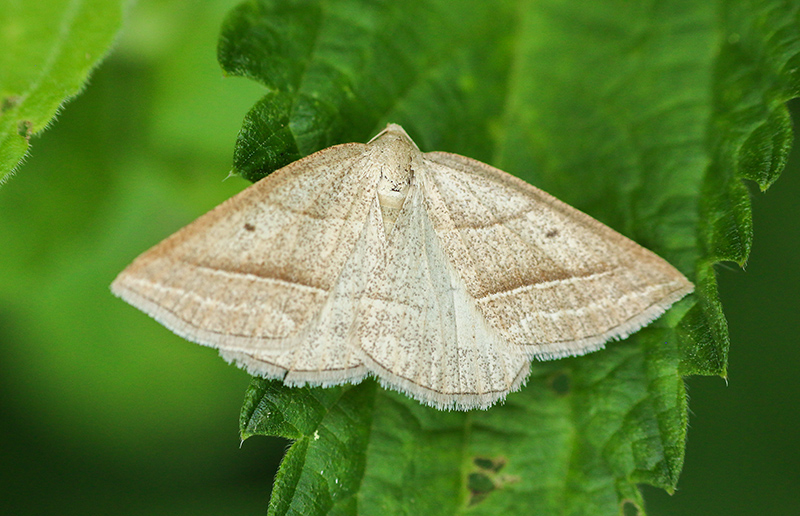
249,227
552,233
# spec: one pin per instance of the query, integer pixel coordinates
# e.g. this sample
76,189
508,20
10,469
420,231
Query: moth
437,274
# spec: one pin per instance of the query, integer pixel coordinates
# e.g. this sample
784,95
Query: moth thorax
397,156
392,193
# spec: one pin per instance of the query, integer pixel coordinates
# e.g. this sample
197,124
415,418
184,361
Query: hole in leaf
630,508
489,464
560,383
486,480
483,463
480,483
476,498
479,486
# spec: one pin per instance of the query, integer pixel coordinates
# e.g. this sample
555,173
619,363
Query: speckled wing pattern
253,275
439,275
547,277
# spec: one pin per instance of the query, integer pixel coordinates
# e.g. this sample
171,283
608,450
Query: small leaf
322,471
763,155
49,49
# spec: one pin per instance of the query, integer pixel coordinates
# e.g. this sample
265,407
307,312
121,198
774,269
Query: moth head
398,155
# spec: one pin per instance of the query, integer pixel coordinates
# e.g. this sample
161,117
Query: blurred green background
104,411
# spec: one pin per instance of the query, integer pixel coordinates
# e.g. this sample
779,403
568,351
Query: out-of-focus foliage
104,410
49,48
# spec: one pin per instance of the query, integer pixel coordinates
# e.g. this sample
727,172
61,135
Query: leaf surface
647,116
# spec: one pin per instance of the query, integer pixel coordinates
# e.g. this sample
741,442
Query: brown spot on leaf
24,128
486,479
9,103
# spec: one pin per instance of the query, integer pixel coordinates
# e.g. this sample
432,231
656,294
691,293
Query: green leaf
749,136
49,49
647,116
